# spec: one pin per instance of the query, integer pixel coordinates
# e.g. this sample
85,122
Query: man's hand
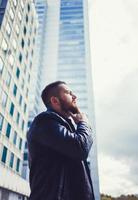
78,117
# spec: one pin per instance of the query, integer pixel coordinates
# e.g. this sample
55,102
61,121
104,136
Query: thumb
72,115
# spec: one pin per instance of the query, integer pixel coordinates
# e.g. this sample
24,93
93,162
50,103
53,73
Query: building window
25,68
25,156
20,57
23,125
19,16
18,165
1,65
22,4
4,46
25,107
15,137
8,130
22,43
18,118
15,90
4,99
26,18
32,52
20,100
8,79
20,143
28,7
22,85
1,121
12,109
17,29
11,60
11,13
8,29
15,3
27,54
17,73
24,30
14,44
4,154
11,160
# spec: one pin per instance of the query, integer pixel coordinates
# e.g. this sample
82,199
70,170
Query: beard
68,108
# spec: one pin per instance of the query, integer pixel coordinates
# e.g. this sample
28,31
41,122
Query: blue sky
114,47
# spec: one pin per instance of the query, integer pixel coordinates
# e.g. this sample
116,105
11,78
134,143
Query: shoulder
48,116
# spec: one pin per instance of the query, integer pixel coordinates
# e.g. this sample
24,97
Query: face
67,99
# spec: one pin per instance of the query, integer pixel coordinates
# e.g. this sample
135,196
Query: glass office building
74,65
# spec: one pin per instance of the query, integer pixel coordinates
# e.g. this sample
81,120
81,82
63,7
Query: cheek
67,98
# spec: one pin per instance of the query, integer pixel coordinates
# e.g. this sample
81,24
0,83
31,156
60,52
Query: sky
114,49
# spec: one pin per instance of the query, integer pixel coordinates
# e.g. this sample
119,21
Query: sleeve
56,136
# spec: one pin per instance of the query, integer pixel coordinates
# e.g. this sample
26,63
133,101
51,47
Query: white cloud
114,41
114,176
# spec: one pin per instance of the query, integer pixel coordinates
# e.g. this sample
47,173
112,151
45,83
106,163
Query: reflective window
11,109
23,123
4,99
22,4
1,121
8,79
19,16
18,118
4,154
20,57
4,45
15,90
28,7
8,130
24,30
26,18
15,3
17,72
25,107
14,44
15,137
11,60
20,100
8,29
11,13
20,143
22,43
25,156
18,165
17,29
1,65
11,160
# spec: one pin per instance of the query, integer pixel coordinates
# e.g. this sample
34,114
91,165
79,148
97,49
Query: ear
54,100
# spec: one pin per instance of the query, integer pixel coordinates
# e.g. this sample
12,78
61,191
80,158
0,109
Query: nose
74,96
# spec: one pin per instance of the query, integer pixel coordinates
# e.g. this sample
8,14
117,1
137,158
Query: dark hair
49,91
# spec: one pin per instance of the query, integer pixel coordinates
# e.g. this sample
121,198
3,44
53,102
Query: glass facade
3,4
71,58
74,65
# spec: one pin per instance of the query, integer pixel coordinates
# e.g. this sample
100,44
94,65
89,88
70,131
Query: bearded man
59,141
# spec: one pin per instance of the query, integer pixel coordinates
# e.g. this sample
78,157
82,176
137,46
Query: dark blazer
57,158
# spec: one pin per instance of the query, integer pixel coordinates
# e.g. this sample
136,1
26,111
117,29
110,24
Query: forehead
63,87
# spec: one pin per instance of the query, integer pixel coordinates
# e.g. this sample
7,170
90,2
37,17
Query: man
57,150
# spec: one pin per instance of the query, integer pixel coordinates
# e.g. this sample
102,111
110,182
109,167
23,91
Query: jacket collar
57,115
